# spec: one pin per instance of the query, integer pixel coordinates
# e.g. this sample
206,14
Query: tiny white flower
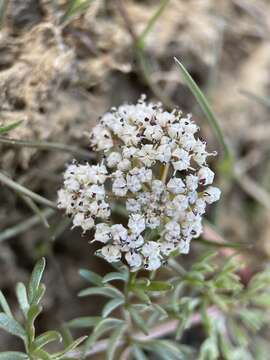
119,232
133,259
85,223
181,159
184,247
200,206
124,165
206,176
173,227
153,221
158,187
133,206
134,183
103,233
64,199
167,247
136,223
153,132
153,263
72,184
101,138
111,253
211,194
192,182
113,159
119,186
164,153
151,248
96,192
176,186
134,241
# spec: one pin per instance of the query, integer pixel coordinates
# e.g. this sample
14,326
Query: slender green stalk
203,102
75,8
24,191
45,145
140,42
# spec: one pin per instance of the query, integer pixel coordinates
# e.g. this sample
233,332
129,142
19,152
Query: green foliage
75,8
141,40
29,299
210,290
5,129
204,104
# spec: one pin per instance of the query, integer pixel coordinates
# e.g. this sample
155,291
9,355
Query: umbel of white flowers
155,166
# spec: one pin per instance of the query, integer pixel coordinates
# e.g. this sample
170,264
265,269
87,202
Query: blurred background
59,73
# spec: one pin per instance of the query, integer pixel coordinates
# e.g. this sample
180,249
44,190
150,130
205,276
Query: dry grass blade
258,99
31,204
24,191
45,145
253,189
24,225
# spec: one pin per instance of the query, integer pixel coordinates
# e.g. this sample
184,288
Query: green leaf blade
203,102
12,326
22,298
4,305
84,322
114,341
91,277
111,306
36,279
115,276
6,129
105,291
13,355
46,338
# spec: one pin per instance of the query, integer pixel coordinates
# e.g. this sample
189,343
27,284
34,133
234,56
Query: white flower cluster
154,165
